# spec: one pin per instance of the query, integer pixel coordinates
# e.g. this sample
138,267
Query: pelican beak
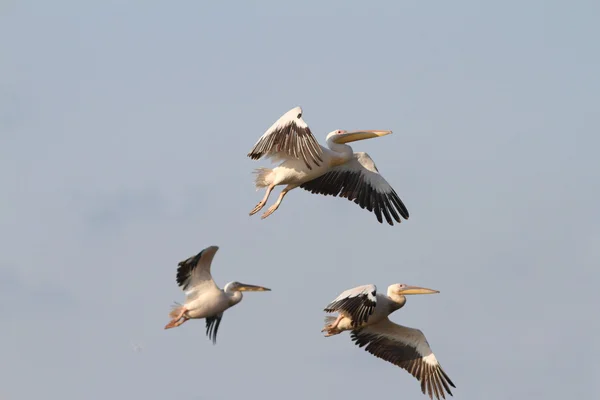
251,288
417,290
359,135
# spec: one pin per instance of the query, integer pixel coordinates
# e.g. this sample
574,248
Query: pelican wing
193,274
359,180
289,137
358,303
408,349
212,326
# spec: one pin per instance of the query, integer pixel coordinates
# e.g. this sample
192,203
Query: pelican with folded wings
364,313
334,170
204,299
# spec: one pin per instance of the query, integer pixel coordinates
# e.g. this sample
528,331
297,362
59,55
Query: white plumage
359,180
289,138
203,298
357,304
365,313
333,170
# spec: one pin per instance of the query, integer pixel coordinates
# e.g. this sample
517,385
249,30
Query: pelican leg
181,321
275,206
175,322
331,329
262,203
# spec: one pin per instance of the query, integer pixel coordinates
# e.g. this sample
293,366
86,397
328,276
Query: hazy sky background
124,128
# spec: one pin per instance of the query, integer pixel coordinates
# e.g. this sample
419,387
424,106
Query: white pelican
204,299
335,171
365,312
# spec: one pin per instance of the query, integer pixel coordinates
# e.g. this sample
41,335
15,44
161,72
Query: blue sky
123,133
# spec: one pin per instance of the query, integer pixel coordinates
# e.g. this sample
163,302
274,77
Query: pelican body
333,170
364,313
204,299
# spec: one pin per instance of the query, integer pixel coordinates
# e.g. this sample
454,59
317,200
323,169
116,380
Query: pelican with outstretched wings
334,170
364,313
204,299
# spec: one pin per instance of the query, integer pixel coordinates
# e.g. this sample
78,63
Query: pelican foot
332,328
330,331
172,324
176,322
258,207
270,211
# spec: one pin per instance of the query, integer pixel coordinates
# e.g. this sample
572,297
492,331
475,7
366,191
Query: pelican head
244,287
341,136
402,289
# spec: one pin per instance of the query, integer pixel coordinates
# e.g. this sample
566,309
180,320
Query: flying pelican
204,299
365,313
335,171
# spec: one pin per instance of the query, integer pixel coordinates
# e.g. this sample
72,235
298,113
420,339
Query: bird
204,299
364,313
334,170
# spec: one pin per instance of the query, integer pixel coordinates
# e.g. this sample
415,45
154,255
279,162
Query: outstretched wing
408,349
193,274
358,303
289,137
212,326
359,180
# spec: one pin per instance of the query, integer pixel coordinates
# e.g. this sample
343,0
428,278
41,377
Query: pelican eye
299,116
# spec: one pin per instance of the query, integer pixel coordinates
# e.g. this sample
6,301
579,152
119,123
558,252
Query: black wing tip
191,261
404,214
431,385
446,377
186,266
383,205
212,326
431,388
435,383
390,221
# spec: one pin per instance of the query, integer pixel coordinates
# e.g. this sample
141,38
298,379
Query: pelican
204,299
365,313
335,170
